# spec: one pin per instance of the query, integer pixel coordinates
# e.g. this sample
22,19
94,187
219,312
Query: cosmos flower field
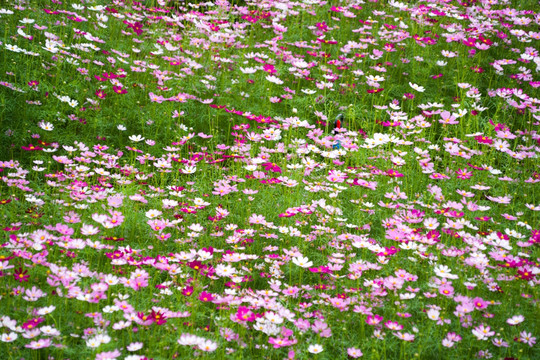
174,184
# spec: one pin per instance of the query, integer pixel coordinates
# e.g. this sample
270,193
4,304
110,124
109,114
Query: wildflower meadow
269,179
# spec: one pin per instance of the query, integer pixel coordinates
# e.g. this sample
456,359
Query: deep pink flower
158,317
393,173
479,303
137,27
374,319
187,291
463,174
119,90
206,296
31,147
101,94
272,167
244,314
21,275
31,324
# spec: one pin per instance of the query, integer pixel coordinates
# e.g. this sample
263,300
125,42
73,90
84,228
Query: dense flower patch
269,179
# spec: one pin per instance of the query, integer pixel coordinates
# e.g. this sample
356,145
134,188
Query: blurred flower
417,87
274,79
101,94
315,349
136,138
207,345
527,338
354,353
515,320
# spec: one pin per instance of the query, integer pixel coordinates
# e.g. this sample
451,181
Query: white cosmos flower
515,320
136,138
93,343
380,139
134,346
169,204
273,317
121,127
22,33
46,310
315,349
433,314
300,64
302,261
189,170
46,126
225,270
9,337
196,227
132,357
207,345
417,87
96,8
248,70
190,340
50,47
376,78
153,213
274,79
444,272
460,113
13,48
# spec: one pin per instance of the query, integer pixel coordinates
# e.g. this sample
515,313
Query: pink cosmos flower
404,336
39,344
393,325
501,145
448,119
527,338
499,342
354,353
447,343
463,174
206,296
257,219
482,332
109,355
279,342
479,303
373,319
